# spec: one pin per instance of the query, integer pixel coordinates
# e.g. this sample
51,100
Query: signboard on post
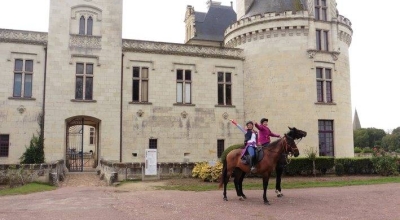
151,162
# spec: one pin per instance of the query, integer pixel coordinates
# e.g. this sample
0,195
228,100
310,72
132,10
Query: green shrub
208,173
385,165
323,164
34,154
356,165
357,150
367,150
299,166
229,149
339,169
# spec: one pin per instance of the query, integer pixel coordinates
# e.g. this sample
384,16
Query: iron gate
77,160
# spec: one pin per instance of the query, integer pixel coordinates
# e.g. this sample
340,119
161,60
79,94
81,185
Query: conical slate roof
275,6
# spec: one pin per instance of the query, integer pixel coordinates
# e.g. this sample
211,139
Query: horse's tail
223,174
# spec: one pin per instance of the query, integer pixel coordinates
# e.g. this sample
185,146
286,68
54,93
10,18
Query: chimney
231,4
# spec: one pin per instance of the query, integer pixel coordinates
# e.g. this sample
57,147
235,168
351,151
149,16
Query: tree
396,130
375,136
391,142
361,138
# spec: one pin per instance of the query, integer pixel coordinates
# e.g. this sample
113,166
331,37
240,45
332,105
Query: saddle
258,157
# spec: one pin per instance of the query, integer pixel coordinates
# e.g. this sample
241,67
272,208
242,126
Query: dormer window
86,26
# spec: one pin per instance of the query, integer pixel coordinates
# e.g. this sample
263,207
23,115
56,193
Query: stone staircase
82,179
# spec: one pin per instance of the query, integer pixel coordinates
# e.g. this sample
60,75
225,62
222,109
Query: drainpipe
44,93
120,119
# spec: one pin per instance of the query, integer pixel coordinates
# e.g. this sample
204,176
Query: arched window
89,26
82,25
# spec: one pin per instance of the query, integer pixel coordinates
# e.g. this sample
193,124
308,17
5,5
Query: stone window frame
322,40
321,10
92,135
141,79
153,143
86,25
23,56
326,131
24,73
86,12
4,145
85,76
324,84
224,70
184,67
220,147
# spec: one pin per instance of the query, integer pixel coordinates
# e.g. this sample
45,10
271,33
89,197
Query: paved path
87,203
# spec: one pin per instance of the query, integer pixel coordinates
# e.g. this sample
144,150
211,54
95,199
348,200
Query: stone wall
113,171
17,174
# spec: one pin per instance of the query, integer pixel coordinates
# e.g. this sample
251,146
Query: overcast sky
373,52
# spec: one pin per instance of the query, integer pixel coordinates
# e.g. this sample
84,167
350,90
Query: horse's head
295,133
291,136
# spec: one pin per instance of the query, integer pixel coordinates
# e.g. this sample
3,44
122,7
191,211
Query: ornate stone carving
26,37
85,41
335,55
225,115
140,113
311,53
180,49
184,114
310,7
334,13
21,109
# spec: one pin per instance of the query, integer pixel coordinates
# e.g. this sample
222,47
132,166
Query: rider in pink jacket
265,133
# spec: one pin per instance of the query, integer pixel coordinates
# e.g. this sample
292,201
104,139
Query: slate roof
212,25
275,6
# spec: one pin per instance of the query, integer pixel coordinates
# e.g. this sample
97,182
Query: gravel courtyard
77,201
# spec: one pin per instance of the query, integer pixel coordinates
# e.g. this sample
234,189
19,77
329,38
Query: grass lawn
190,184
26,189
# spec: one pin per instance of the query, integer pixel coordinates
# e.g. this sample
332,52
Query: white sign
151,162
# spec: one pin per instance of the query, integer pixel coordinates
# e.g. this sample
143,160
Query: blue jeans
251,150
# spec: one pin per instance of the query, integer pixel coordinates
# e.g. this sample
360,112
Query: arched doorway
82,143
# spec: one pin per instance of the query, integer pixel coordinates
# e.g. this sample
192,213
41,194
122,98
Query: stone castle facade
288,63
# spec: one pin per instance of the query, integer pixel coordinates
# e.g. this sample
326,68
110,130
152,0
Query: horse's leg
236,181
279,171
225,178
265,187
241,185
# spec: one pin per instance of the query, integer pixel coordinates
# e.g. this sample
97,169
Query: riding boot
252,169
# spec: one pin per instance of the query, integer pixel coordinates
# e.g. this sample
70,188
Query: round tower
296,71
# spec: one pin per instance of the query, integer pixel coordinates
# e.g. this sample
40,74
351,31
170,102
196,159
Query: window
220,147
23,72
184,86
325,131
324,85
152,143
224,88
91,138
84,81
4,145
322,40
140,84
85,26
321,9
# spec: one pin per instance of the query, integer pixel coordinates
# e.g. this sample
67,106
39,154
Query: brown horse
272,154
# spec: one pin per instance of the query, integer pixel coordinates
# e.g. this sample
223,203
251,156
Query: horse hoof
244,197
241,198
225,199
279,195
266,203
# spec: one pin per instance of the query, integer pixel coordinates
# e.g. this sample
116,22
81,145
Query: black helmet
249,122
264,119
